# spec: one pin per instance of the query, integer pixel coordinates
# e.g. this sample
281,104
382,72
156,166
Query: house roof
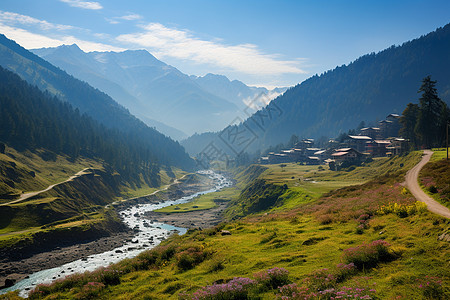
393,115
339,154
287,151
360,137
382,142
343,150
368,128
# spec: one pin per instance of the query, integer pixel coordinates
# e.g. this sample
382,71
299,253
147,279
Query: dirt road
412,184
26,196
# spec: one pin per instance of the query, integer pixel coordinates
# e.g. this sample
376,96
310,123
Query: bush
236,289
344,271
272,278
91,290
431,288
190,257
402,210
433,189
368,255
320,280
295,292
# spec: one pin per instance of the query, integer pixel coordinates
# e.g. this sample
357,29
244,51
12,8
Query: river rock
9,282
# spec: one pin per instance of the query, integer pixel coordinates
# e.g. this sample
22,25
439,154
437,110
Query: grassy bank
73,205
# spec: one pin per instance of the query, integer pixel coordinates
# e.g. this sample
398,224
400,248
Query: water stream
149,235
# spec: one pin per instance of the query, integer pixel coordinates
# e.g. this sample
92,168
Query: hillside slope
90,101
370,241
367,89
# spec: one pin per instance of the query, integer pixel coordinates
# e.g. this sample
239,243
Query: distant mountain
90,101
234,91
149,88
367,89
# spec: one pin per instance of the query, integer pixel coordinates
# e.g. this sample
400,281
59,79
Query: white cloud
13,18
31,40
181,44
83,4
130,17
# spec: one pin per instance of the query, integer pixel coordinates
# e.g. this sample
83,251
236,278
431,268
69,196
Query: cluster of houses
370,142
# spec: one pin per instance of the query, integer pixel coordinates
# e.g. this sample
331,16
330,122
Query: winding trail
412,183
26,196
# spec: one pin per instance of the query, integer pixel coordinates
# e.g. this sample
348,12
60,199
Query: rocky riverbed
146,231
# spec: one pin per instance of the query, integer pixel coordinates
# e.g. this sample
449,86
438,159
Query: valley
220,150
290,233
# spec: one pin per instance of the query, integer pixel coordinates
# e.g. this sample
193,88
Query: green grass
142,189
202,202
439,153
296,242
303,235
47,172
434,179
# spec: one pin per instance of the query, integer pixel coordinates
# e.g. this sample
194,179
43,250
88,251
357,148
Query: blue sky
264,43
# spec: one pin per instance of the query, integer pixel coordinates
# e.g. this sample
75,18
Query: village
353,150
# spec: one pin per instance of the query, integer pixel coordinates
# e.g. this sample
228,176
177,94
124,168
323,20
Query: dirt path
412,184
26,196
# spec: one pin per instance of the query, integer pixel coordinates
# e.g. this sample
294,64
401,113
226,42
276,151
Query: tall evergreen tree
408,121
432,115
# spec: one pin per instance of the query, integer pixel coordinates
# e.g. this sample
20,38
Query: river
150,234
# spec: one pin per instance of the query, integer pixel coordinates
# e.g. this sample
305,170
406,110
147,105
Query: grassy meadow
369,241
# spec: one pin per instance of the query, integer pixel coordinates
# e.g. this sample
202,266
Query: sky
271,43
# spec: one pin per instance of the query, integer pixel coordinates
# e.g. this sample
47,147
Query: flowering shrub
107,276
368,255
431,287
272,278
91,290
40,291
402,210
236,289
320,280
344,271
294,292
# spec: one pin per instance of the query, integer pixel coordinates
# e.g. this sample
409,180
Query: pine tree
408,121
432,115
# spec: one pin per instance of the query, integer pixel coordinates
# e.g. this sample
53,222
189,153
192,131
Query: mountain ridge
88,100
149,88
367,89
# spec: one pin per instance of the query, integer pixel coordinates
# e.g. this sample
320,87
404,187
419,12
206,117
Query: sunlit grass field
305,237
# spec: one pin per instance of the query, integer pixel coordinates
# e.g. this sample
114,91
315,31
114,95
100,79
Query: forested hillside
32,119
90,101
367,89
